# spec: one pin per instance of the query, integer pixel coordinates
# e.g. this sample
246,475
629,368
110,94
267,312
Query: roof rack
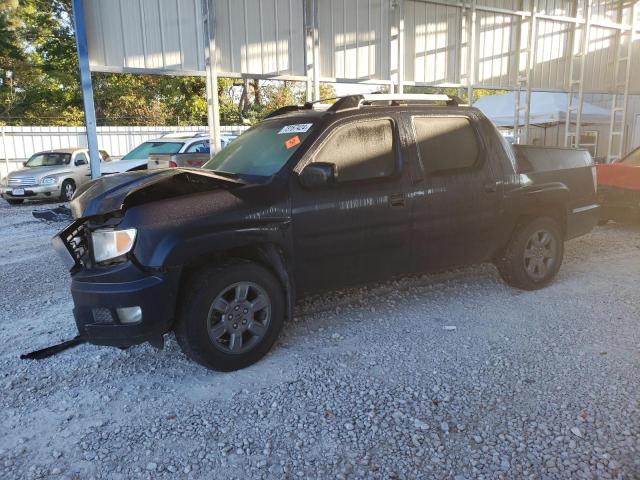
349,102
184,134
395,99
316,105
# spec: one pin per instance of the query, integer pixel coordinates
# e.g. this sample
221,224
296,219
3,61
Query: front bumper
98,293
36,192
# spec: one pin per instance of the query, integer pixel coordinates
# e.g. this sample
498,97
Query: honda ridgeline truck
373,187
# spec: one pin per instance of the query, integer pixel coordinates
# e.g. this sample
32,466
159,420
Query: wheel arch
266,254
535,201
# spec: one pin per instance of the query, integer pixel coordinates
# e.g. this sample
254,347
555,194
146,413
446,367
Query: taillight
172,164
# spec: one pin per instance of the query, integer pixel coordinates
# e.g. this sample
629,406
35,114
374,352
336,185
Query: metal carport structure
573,46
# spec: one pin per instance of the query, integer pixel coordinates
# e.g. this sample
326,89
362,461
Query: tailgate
160,161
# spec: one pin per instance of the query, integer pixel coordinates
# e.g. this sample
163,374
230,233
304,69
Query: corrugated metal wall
357,40
161,35
263,37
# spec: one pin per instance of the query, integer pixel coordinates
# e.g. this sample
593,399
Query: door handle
397,200
491,187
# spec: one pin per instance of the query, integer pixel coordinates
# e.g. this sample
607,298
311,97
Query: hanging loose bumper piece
54,349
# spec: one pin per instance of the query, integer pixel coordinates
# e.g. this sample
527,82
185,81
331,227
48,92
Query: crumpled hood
114,192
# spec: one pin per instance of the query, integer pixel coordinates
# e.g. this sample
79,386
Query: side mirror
80,162
24,164
318,174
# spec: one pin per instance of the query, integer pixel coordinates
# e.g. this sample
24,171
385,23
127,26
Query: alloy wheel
540,254
239,317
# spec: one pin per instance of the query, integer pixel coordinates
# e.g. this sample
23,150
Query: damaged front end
118,301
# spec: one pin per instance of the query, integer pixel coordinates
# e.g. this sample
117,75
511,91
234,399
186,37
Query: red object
619,175
292,142
172,164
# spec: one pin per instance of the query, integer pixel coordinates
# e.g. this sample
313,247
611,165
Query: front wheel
67,189
230,315
534,255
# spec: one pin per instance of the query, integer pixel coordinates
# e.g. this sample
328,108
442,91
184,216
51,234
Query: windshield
50,159
142,151
633,158
262,150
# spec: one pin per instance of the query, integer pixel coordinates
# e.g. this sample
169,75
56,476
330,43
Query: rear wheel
15,202
534,255
67,190
230,315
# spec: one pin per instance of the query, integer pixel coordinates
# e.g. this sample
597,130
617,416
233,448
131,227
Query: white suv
171,143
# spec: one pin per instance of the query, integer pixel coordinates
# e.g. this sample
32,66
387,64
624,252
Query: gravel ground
452,375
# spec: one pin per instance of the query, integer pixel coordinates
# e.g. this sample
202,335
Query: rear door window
446,145
198,147
360,150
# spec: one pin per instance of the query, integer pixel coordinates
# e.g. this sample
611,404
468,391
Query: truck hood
116,192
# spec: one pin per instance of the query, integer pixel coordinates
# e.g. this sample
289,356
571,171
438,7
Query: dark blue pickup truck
315,198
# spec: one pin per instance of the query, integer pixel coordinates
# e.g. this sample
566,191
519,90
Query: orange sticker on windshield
292,142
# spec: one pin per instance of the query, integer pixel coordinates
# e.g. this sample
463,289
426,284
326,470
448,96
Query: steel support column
87,87
471,48
400,86
211,67
316,52
580,56
308,9
621,79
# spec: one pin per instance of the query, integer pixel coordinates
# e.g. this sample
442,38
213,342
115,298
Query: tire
206,329
534,255
19,201
67,190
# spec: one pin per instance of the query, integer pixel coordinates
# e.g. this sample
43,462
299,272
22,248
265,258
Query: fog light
130,314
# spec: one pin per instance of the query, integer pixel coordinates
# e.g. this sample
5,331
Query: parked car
52,174
373,187
170,144
177,160
619,189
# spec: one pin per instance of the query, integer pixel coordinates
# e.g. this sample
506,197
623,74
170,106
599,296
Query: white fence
17,144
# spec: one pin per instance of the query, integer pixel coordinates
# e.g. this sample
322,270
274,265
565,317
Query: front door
356,229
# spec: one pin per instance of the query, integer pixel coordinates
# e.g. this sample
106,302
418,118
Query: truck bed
571,170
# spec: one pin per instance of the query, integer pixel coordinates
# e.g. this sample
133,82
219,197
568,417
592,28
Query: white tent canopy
546,108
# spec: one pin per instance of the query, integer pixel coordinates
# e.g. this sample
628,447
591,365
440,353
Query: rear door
358,228
455,197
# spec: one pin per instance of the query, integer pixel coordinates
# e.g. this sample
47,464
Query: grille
102,315
22,181
75,239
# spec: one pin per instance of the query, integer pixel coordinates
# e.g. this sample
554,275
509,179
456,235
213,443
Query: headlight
109,244
49,181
